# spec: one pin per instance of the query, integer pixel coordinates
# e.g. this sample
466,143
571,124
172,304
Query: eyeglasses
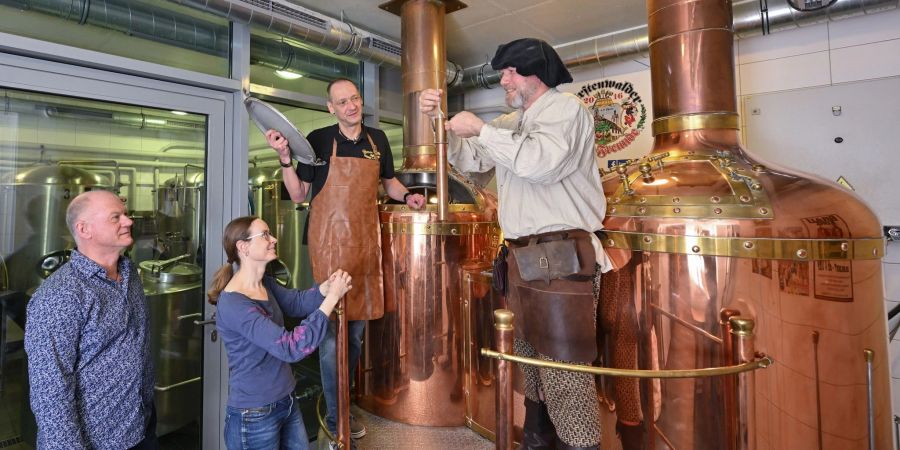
265,234
344,101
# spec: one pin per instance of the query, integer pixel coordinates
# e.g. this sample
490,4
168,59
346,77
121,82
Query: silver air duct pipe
298,23
187,32
325,32
283,56
138,20
750,19
10,103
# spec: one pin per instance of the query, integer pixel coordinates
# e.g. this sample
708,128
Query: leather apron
557,318
345,233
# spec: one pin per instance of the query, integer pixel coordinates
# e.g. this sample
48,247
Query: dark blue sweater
260,348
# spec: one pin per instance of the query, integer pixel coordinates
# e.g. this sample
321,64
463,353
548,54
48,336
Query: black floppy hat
532,57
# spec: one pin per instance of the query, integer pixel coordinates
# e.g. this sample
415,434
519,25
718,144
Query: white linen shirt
547,176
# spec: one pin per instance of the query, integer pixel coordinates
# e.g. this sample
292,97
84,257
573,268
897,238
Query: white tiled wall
865,62
855,49
782,74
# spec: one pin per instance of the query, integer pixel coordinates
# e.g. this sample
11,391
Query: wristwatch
287,164
406,195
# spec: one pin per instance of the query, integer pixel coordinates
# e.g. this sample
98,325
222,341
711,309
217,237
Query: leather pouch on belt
547,261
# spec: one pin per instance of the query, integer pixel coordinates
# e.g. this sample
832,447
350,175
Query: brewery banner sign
620,107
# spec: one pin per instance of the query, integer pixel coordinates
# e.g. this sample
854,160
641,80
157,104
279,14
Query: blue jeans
274,426
328,364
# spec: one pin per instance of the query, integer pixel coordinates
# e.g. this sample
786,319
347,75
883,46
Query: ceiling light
179,113
288,75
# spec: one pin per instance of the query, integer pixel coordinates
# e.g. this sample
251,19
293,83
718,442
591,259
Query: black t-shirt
321,141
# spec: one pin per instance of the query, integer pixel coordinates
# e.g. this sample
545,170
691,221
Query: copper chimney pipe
691,45
423,66
723,244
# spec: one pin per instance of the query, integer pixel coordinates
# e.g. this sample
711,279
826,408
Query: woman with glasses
261,411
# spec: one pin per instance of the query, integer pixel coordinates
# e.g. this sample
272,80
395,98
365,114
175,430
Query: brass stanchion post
729,382
503,334
343,378
440,144
742,351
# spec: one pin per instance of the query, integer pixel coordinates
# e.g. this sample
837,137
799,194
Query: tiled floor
384,434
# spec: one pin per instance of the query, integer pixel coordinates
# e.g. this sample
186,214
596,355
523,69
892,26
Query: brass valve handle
621,168
645,166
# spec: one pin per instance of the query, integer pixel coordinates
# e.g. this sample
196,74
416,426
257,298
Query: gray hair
77,207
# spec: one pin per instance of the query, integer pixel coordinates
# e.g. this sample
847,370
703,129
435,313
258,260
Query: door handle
210,321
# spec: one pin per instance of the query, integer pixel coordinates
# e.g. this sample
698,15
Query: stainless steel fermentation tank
286,219
414,365
36,199
724,247
173,289
180,207
173,286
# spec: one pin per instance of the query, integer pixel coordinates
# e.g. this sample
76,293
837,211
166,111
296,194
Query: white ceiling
474,33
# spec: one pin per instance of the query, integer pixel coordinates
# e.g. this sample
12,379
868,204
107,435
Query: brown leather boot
538,432
632,436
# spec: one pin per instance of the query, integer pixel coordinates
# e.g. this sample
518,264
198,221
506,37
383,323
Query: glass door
150,145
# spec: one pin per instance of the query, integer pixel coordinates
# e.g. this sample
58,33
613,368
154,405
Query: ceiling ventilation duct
183,31
751,18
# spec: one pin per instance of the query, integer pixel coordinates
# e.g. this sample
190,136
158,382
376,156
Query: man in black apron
343,229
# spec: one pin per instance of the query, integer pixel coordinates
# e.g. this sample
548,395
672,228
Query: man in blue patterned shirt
89,361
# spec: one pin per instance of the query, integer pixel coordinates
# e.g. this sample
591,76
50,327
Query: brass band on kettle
440,229
759,363
700,121
739,247
419,150
428,208
727,211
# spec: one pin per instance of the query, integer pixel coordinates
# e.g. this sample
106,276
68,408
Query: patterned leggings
571,397
619,322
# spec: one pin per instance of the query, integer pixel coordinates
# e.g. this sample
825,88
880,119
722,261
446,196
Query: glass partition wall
53,148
